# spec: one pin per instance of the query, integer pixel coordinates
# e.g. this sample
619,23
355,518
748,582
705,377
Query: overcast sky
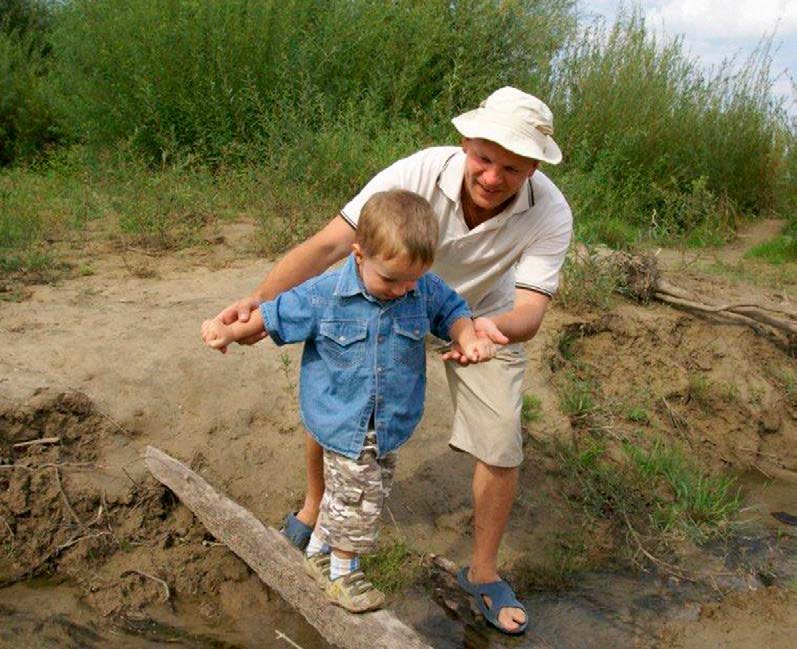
716,29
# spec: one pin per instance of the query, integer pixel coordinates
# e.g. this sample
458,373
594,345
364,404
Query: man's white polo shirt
523,246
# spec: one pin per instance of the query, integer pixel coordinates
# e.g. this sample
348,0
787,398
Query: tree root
641,279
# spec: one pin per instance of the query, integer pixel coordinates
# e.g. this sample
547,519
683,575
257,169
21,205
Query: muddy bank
99,363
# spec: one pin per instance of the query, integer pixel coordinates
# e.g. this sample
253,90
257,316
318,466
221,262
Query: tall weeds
658,142
324,93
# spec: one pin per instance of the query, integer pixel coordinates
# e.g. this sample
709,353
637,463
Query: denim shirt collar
350,283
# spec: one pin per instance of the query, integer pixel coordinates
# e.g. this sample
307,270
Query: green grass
699,390
700,503
637,414
657,491
393,567
578,396
531,410
705,393
780,250
754,272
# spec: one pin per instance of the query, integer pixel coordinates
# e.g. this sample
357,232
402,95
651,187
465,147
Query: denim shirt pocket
342,342
408,341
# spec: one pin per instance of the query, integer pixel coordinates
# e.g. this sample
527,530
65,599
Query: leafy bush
209,77
27,119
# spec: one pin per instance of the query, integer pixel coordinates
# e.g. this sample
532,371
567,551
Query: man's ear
534,168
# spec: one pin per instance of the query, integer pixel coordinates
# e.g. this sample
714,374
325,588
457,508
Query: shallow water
47,614
602,610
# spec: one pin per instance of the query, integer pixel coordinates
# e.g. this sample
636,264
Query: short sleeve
291,317
540,263
396,176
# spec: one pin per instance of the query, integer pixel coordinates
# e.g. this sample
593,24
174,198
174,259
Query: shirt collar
349,282
450,179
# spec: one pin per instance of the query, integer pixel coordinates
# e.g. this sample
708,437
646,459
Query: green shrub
27,119
214,77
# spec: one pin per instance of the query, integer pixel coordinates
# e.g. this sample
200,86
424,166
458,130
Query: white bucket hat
517,121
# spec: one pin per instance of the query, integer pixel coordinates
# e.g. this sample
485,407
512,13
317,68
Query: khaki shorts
487,400
354,493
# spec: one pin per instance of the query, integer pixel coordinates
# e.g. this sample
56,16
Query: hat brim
477,125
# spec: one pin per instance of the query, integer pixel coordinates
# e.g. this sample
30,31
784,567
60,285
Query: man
504,232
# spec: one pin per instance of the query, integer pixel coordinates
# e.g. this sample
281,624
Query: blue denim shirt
362,356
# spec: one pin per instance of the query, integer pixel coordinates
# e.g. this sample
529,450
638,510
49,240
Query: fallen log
278,563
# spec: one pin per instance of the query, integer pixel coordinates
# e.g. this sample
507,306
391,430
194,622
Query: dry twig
49,465
66,500
38,442
282,636
153,578
78,539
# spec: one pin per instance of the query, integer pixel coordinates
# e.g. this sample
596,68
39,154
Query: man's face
492,174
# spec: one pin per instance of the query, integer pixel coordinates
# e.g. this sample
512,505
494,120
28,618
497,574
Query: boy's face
388,279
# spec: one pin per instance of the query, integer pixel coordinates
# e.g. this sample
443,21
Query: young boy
363,373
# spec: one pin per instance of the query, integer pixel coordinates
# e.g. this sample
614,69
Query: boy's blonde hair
398,223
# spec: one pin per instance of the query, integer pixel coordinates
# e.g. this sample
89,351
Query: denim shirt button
380,339
342,338
380,369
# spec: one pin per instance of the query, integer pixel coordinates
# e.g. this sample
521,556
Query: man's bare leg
494,491
314,461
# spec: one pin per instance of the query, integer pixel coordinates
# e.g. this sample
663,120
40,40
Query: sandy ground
113,361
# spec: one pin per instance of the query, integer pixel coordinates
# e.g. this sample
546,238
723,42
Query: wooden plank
278,563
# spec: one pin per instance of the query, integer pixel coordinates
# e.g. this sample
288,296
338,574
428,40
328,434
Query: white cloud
727,19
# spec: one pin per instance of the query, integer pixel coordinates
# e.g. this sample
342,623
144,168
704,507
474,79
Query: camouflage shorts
352,502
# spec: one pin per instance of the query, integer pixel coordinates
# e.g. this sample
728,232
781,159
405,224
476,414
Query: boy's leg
314,461
348,521
487,400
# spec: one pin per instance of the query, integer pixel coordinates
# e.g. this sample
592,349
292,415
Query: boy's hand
216,335
479,351
239,312
485,330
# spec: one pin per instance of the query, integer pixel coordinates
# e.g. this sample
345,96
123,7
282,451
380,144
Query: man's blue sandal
296,532
501,596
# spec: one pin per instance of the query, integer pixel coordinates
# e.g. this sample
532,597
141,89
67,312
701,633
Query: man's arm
308,259
524,320
518,325
216,334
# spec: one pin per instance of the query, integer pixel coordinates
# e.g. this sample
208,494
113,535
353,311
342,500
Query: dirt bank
111,362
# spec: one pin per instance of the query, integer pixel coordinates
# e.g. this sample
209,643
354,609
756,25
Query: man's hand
239,312
485,328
